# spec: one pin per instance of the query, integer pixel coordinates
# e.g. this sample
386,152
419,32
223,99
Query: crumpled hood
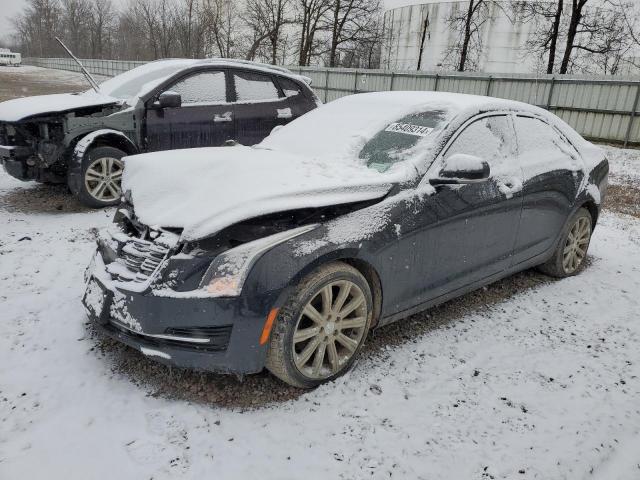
204,190
22,108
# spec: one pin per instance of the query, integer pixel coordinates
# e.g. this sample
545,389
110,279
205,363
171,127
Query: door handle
284,113
225,117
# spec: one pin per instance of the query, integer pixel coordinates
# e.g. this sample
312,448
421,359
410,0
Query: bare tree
577,7
75,14
468,24
101,27
266,19
547,18
221,25
38,25
352,21
312,19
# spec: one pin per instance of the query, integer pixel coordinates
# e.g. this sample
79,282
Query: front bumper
14,160
204,333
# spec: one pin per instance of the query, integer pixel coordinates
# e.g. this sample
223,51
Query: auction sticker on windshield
409,129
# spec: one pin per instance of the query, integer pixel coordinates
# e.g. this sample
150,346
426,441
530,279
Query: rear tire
101,175
321,329
568,259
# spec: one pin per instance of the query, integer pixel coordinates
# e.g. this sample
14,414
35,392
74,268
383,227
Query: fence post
488,86
632,116
393,76
435,88
355,82
326,84
553,84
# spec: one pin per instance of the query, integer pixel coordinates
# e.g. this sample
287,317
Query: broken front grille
137,260
143,257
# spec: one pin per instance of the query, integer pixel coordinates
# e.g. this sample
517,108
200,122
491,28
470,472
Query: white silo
418,37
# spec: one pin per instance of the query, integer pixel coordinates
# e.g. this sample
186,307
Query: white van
9,58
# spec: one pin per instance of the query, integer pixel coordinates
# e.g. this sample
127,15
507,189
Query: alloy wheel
575,249
330,329
103,179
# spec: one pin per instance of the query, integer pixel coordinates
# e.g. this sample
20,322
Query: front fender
283,267
105,136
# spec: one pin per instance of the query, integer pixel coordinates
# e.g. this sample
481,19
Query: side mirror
460,168
169,100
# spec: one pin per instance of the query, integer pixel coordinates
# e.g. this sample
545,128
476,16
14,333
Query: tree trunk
306,20
576,16
467,37
334,34
554,37
422,39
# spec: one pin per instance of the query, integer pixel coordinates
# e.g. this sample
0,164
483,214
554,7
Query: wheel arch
348,256
84,143
592,208
105,137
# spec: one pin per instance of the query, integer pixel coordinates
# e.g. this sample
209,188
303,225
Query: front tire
568,259
321,329
101,176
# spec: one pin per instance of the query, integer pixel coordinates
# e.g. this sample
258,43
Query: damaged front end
31,150
39,147
190,303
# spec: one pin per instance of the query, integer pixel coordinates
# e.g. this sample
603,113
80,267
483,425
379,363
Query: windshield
130,84
364,128
390,145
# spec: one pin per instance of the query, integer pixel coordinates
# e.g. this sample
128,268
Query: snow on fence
602,108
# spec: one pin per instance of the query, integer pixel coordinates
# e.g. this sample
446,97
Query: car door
459,234
552,174
204,119
259,107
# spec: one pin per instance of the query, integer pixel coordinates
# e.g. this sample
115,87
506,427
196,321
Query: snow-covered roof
140,80
342,127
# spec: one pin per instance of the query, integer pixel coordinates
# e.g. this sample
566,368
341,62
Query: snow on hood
21,108
207,189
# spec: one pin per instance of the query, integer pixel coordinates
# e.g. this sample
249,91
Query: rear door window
202,88
541,148
255,87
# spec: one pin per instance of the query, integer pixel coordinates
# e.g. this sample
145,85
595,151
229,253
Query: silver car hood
22,108
205,190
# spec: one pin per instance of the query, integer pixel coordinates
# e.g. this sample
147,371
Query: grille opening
137,260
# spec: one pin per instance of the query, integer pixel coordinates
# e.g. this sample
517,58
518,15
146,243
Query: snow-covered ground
545,384
27,80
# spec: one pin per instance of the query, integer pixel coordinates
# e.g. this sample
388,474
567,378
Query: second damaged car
362,212
81,138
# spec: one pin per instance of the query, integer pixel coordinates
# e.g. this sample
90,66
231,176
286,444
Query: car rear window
389,145
289,87
254,87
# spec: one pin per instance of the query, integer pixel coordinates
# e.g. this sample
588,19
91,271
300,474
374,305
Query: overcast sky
11,7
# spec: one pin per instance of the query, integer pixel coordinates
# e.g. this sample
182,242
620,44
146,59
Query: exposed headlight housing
227,273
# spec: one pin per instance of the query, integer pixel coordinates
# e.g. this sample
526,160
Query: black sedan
286,254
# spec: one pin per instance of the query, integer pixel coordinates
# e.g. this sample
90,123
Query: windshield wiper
87,75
